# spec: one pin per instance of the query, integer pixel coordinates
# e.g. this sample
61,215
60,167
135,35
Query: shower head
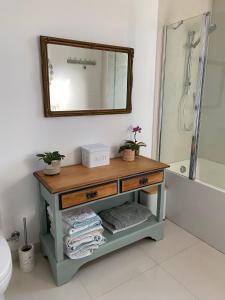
191,37
195,44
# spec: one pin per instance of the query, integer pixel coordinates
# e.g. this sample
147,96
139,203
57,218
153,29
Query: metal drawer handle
91,195
143,180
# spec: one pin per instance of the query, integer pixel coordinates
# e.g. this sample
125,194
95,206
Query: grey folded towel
126,215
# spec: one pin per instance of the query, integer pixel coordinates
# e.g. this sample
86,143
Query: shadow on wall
0,221
20,199
77,154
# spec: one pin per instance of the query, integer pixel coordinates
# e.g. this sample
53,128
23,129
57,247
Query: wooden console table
100,188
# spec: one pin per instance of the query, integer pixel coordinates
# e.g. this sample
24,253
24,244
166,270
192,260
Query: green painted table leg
160,201
57,216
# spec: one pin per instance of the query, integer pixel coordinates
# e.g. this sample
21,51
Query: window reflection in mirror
86,79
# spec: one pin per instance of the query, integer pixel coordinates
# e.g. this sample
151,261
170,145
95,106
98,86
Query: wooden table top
77,176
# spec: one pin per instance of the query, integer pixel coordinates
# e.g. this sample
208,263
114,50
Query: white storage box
95,155
148,197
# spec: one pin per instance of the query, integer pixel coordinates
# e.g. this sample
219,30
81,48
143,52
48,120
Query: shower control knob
182,169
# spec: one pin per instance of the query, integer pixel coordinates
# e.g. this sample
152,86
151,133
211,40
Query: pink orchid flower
136,129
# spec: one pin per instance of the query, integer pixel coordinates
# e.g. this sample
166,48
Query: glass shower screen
180,93
211,154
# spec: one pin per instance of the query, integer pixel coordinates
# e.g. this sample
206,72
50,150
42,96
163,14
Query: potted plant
52,161
132,147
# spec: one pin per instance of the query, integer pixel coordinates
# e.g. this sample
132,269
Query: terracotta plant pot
128,155
54,168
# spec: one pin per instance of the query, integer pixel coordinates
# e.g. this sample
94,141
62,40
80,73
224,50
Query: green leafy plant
48,157
133,145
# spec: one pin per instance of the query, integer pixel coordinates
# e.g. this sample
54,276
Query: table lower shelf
64,270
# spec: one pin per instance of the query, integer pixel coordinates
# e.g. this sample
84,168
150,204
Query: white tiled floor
180,267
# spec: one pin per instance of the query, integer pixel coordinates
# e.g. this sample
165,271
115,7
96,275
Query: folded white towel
78,215
71,228
71,232
94,237
83,250
82,231
80,254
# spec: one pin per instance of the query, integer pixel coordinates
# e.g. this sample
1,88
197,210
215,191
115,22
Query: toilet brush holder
26,258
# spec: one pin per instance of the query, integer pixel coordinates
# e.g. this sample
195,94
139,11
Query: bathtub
207,172
198,206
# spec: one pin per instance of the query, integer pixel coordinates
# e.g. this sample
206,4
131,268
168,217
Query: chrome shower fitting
183,169
212,27
178,24
15,236
195,44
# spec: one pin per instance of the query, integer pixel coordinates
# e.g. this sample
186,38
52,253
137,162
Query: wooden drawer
141,181
88,194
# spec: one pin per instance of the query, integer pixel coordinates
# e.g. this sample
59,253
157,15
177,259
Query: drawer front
88,194
141,181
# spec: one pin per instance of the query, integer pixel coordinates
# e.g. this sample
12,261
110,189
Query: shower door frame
198,97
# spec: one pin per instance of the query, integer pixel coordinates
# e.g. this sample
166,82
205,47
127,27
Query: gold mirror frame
45,40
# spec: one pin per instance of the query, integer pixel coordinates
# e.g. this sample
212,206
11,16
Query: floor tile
153,284
188,268
175,240
201,269
39,285
105,274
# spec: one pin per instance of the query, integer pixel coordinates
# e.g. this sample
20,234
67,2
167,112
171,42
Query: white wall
171,11
218,6
24,130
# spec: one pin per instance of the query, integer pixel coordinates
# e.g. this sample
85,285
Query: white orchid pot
54,168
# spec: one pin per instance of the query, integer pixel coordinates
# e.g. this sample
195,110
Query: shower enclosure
192,116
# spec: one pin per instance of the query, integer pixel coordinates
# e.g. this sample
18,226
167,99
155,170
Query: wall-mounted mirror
82,78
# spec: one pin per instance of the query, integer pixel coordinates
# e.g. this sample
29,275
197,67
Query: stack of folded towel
124,217
82,229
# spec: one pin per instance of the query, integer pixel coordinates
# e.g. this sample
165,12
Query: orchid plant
133,144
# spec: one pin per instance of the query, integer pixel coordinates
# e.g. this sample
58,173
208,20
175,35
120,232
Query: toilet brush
26,247
26,252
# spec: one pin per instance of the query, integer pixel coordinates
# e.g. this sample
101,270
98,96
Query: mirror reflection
86,79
